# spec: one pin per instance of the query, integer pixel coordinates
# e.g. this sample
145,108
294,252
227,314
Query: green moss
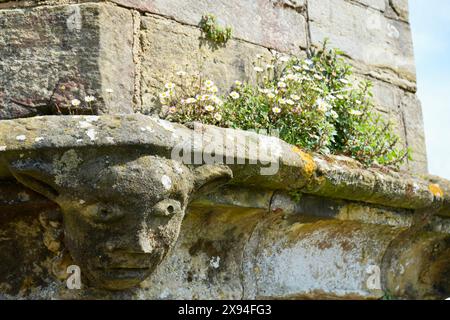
213,32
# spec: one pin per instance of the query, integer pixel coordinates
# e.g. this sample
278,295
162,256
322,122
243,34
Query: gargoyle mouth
123,270
120,278
124,273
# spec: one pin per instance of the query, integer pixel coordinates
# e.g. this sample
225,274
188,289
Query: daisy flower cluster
200,102
312,102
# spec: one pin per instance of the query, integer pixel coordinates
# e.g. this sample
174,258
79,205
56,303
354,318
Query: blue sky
430,23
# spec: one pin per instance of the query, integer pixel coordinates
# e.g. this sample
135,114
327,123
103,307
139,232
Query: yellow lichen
309,164
436,190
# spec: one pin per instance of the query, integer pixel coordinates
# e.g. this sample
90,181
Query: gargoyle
122,209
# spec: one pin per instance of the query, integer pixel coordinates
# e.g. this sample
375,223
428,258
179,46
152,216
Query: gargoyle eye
104,214
167,208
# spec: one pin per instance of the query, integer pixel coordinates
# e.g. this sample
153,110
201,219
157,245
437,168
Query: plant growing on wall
311,102
213,32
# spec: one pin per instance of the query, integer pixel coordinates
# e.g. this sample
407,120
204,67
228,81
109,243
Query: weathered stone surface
270,23
415,133
24,260
445,185
413,260
327,208
242,252
294,4
284,258
51,55
401,8
123,210
123,191
14,198
300,259
375,4
168,47
386,96
212,242
12,4
380,47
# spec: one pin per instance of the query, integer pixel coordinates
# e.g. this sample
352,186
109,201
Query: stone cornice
334,176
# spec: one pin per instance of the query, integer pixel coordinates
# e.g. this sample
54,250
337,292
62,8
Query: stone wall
78,183
122,51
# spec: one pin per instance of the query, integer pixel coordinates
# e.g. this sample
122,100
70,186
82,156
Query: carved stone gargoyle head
122,209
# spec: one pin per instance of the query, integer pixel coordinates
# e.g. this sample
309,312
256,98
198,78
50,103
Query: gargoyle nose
143,238
141,241
146,241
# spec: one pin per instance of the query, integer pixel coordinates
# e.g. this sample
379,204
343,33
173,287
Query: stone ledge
334,176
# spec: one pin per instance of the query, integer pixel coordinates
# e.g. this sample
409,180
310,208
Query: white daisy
216,100
75,102
209,108
89,99
234,95
209,83
322,105
169,86
213,89
355,112
290,102
276,110
190,100
172,110
334,114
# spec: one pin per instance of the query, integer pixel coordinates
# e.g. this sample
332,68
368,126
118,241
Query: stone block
415,133
404,110
168,46
395,105
378,46
276,24
401,8
386,96
52,55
